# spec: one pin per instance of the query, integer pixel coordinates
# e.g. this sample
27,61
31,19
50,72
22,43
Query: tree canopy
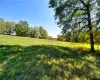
72,15
22,28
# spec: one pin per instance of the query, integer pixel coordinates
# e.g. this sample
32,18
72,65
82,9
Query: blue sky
36,12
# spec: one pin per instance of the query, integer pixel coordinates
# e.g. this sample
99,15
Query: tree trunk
90,30
91,42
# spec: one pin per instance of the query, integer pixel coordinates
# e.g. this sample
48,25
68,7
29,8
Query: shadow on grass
42,62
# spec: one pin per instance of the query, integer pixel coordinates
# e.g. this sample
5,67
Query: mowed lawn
23,58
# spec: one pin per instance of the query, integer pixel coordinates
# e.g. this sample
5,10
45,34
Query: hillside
25,41
23,58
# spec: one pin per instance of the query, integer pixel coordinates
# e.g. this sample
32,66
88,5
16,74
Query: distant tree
43,32
97,36
29,32
50,37
23,23
22,28
2,25
67,36
9,26
75,36
34,32
18,30
61,37
83,37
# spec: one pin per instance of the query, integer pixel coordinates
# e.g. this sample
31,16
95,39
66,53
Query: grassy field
38,59
25,41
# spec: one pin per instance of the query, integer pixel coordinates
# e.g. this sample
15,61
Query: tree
43,32
72,13
50,37
22,28
18,30
60,37
34,32
2,25
97,36
9,26
67,36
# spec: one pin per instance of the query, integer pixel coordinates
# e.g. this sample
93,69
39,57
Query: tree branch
83,3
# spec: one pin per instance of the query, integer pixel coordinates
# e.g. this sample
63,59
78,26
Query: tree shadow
46,62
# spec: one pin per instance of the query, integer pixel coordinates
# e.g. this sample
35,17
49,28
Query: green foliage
79,36
22,29
77,14
18,30
71,14
50,37
75,36
2,25
43,32
60,37
9,26
36,32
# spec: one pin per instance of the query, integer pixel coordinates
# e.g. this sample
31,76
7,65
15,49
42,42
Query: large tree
70,14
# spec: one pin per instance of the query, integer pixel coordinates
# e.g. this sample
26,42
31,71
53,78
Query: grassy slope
25,41
29,59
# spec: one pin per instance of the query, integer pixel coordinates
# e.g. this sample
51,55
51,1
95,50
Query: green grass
38,59
25,41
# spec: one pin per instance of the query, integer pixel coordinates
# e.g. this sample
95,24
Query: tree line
22,29
78,36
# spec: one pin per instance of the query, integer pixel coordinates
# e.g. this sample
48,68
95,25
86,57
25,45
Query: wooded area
22,29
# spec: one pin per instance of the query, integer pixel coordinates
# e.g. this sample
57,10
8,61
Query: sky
36,12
